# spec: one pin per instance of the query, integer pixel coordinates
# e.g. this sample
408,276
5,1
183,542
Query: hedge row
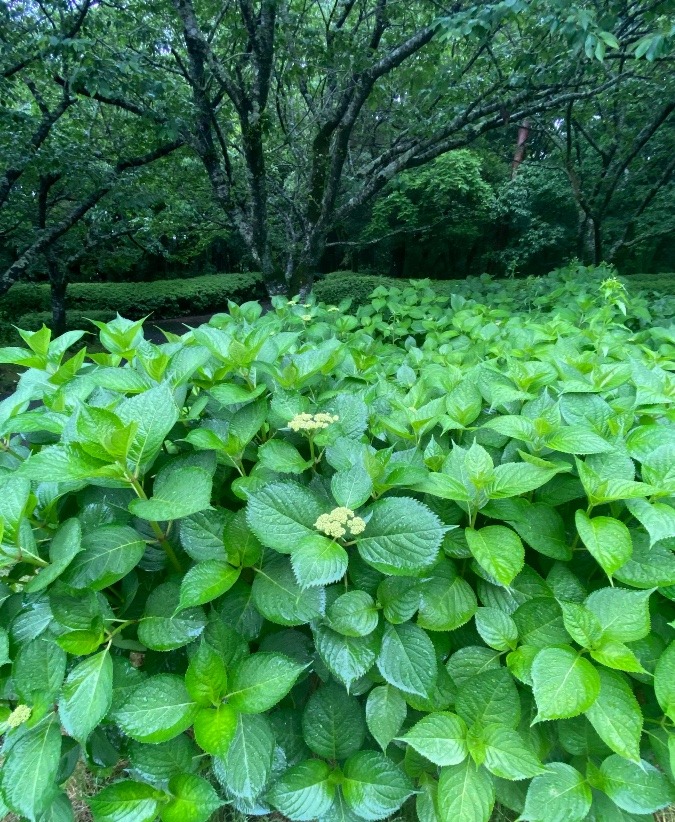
340,285
162,299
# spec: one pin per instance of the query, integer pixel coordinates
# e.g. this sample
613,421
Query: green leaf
608,540
38,669
279,597
636,787
215,728
373,786
351,488
581,624
193,799
304,792
332,723
153,414
440,737
318,560
248,765
514,478
657,518
402,537
564,683
496,628
407,658
233,394
202,535
498,550
283,513
574,439
506,755
386,711
29,771
347,658
178,492
465,793
157,710
616,716
164,625
616,655
489,697
260,681
206,676
124,801
623,614
206,581
353,614
561,795
446,601
159,762
65,545
108,554
664,681
282,457
87,696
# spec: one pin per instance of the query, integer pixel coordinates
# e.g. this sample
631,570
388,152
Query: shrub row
162,299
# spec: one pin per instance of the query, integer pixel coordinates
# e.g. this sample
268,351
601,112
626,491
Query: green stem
157,531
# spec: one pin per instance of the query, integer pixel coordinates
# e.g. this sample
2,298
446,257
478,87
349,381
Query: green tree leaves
407,658
260,681
498,550
87,695
158,709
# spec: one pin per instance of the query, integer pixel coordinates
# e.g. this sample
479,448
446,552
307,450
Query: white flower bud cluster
339,522
312,422
19,715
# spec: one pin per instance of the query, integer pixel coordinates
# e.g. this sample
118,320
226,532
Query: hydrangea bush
326,564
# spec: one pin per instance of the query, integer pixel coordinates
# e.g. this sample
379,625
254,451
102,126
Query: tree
618,152
301,113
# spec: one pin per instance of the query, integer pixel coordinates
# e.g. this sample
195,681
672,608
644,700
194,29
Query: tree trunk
58,284
597,241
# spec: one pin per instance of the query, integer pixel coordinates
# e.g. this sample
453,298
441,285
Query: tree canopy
281,122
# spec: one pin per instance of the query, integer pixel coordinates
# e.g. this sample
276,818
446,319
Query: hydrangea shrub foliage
327,564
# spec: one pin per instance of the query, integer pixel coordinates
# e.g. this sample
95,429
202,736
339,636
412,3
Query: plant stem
157,531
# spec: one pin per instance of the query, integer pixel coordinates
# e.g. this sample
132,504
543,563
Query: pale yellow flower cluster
312,422
306,318
339,522
332,308
19,715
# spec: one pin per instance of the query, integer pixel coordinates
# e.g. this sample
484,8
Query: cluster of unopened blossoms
312,422
19,715
339,522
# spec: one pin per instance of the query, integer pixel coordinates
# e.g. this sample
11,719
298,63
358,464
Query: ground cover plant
329,564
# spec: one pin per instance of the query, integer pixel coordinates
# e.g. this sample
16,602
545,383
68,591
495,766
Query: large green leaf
153,414
108,554
333,724
664,681
465,793
248,765
607,539
29,771
386,711
407,658
279,597
283,513
126,800
616,715
373,786
402,536
623,614
304,792
446,600
192,799
157,710
65,545
347,658
166,625
260,681
207,581
178,492
498,550
561,795
353,614
636,787
87,695
318,561
564,683
440,737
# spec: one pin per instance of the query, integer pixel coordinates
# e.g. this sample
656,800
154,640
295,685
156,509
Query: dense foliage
328,563
259,135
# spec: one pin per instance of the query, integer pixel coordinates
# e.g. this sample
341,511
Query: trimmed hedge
75,320
163,299
341,285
